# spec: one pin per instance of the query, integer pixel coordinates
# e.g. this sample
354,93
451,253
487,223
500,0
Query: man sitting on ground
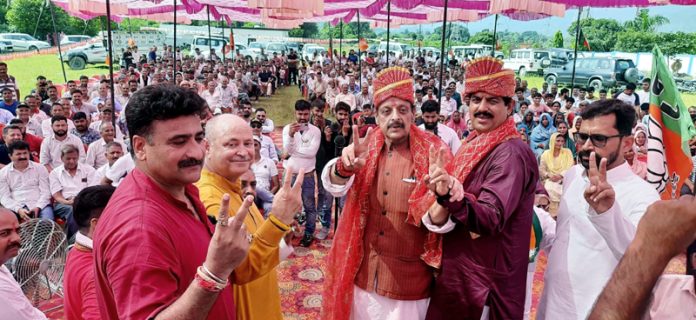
24,185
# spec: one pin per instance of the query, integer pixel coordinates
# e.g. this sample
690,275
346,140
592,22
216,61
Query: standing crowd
181,205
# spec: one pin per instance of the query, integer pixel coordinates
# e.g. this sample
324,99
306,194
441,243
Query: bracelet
209,275
206,285
279,224
341,171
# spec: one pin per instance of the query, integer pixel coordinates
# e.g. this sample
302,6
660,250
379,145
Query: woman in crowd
638,167
562,129
541,134
577,123
528,122
518,116
553,165
641,144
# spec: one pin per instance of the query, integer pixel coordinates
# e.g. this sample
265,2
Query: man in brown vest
382,260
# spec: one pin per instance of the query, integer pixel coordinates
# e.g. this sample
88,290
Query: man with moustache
112,152
24,186
230,152
96,151
381,264
14,304
431,123
484,206
50,155
301,141
188,259
602,202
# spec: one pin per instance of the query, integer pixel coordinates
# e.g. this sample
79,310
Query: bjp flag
669,131
363,45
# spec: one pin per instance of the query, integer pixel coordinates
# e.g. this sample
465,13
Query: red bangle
206,285
342,171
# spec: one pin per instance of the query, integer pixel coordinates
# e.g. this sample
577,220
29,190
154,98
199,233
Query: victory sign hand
599,194
289,197
354,155
230,242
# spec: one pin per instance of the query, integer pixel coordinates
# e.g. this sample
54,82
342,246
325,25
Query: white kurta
588,246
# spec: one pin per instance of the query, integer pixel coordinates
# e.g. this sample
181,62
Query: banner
669,130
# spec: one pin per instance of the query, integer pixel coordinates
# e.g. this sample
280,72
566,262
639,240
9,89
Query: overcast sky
681,19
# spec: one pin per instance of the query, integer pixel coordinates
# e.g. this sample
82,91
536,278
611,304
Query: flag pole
442,57
388,27
495,34
575,54
340,45
111,59
359,51
222,25
210,45
174,74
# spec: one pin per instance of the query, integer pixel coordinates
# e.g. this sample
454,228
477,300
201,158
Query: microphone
339,143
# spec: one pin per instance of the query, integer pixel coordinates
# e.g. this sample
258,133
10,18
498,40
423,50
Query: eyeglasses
256,125
598,140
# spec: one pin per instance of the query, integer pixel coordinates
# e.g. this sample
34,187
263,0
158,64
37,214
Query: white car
525,61
269,48
396,49
308,52
66,40
24,42
92,53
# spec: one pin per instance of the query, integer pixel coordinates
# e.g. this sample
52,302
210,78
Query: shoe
307,240
323,233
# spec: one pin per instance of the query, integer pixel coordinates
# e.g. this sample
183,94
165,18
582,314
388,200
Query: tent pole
174,74
495,35
359,52
111,58
60,51
222,25
340,45
388,27
575,54
210,45
442,56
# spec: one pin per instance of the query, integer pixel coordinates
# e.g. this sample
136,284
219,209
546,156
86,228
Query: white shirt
226,95
120,169
447,135
96,153
14,304
267,126
302,148
50,149
47,129
29,187
85,107
70,186
268,148
348,98
447,107
34,127
643,96
630,100
264,170
211,99
96,124
588,245
5,116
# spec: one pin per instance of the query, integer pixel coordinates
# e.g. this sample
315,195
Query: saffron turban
487,75
393,82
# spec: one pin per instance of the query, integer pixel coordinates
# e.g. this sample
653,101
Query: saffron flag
669,131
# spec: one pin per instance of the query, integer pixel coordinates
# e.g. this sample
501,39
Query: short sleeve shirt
147,250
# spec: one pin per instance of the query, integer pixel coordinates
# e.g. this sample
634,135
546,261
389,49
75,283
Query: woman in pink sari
641,145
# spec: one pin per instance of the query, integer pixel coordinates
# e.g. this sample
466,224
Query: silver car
24,42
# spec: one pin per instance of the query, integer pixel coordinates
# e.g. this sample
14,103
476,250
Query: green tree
644,22
455,32
676,43
634,41
28,16
483,37
602,34
306,30
557,41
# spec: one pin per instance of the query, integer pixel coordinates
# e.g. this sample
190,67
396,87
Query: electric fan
38,267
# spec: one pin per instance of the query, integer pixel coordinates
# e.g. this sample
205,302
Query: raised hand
354,155
289,197
599,194
668,227
230,242
438,180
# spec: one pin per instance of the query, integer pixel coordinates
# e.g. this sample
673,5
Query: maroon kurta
491,269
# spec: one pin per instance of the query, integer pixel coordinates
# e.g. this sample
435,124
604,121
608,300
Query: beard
430,126
586,154
60,133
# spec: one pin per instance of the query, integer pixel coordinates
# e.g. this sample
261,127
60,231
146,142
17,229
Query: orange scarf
346,253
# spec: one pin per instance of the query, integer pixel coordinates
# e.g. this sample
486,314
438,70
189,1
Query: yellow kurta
255,280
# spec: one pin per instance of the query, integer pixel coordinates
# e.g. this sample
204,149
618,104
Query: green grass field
26,70
279,106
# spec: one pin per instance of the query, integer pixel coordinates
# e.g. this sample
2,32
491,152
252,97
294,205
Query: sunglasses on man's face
598,140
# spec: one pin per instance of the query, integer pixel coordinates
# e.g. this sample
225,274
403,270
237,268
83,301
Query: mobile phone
303,126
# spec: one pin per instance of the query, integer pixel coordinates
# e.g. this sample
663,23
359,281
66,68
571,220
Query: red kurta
147,249
491,269
80,300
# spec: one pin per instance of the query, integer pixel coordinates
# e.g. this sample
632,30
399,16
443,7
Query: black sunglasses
598,140
256,125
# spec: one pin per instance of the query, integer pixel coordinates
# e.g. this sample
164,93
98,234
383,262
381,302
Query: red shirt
80,294
34,143
147,249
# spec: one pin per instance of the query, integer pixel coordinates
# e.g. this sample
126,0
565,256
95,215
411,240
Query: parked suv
525,61
24,42
596,72
91,53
